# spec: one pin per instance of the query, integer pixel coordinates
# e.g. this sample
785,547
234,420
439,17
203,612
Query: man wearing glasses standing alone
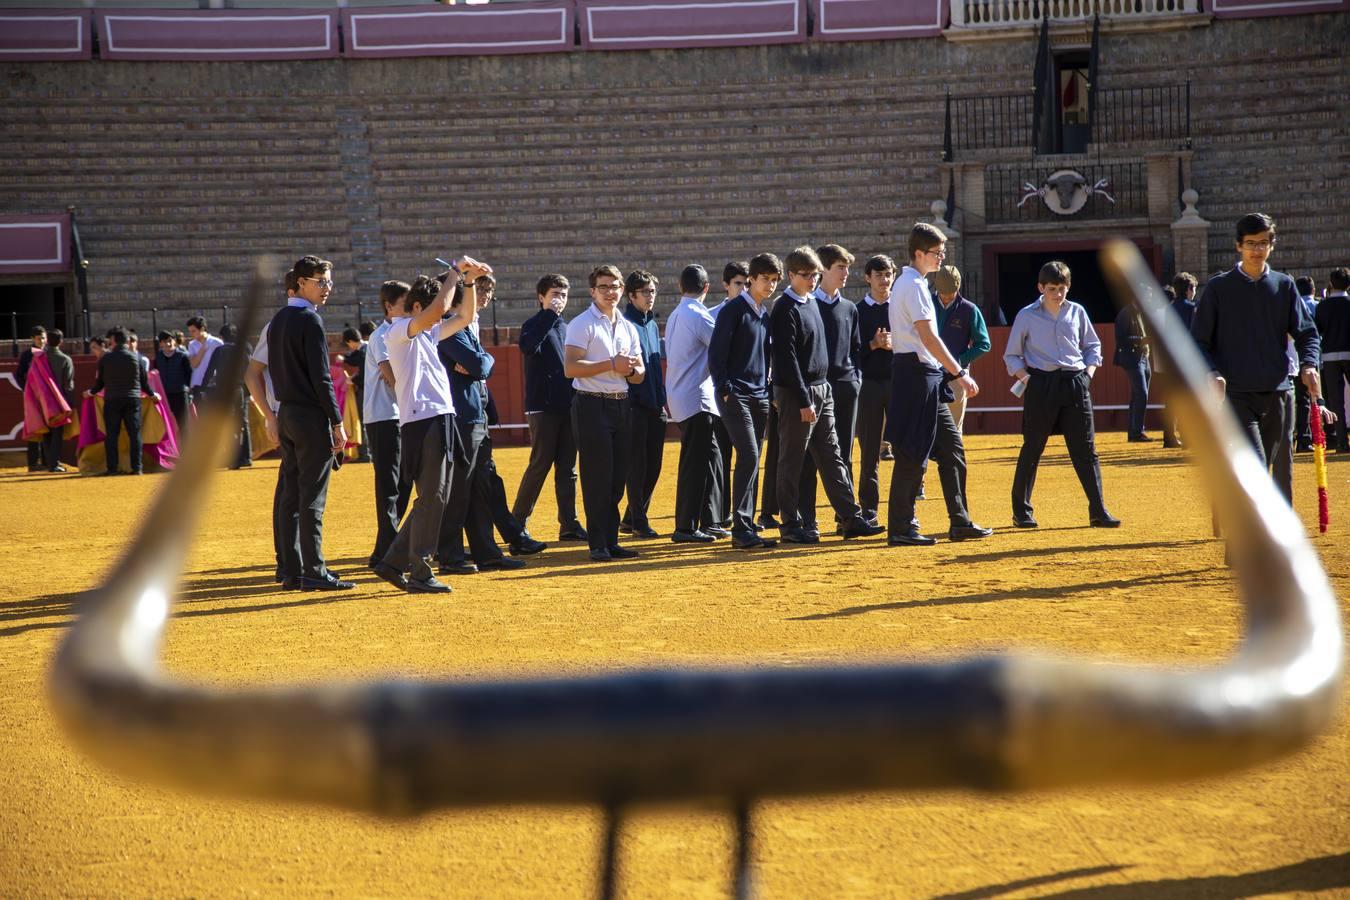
603,356
309,425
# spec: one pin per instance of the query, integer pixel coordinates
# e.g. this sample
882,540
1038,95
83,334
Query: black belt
604,396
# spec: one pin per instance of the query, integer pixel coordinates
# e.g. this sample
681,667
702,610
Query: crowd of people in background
765,380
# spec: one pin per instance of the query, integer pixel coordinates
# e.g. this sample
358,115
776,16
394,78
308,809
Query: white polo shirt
260,356
422,386
689,385
911,302
213,343
600,339
378,402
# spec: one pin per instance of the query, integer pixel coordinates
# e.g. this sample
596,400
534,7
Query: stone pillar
1190,239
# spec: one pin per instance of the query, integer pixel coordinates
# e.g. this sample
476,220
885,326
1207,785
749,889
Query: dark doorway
22,306
1017,281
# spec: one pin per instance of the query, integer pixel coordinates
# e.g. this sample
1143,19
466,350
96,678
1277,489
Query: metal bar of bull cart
1002,722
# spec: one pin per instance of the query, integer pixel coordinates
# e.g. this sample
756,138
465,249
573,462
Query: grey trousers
417,537
795,439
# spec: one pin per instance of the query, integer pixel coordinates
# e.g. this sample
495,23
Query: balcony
976,19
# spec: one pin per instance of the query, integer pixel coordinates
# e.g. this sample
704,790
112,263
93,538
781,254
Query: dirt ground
1156,590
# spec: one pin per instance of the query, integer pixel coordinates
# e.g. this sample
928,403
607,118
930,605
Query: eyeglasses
645,292
323,282
811,275
940,253
609,288
1257,245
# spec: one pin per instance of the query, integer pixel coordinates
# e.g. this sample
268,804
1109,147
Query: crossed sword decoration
1007,723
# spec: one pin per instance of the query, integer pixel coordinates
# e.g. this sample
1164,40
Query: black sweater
843,347
120,375
297,358
799,357
1333,322
738,353
876,364
1243,327
542,340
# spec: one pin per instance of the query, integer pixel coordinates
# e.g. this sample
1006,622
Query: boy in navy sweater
801,392
1243,324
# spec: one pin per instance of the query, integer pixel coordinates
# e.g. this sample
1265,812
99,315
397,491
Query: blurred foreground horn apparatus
1006,722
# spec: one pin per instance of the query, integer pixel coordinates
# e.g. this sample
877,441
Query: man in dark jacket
548,410
1333,323
646,406
1132,355
122,381
175,374
63,372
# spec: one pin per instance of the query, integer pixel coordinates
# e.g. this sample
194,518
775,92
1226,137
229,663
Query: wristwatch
961,373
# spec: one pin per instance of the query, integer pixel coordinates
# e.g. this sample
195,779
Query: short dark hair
196,322
693,279
424,290
1305,285
551,281
924,237
598,271
119,336
310,266
1340,278
1254,223
55,337
637,280
351,334
1184,283
732,269
227,332
392,291
98,340
367,328
879,263
803,259
832,253
766,264
37,330
1054,272
163,336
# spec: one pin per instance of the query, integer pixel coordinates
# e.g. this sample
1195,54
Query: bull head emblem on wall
1065,192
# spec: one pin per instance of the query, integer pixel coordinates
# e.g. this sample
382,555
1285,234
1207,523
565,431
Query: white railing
1005,13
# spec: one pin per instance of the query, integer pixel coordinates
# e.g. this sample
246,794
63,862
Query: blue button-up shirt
1039,341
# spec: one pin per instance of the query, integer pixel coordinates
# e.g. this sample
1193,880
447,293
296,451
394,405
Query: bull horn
1005,722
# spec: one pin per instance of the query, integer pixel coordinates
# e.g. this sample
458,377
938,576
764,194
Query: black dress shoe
697,536
768,522
600,556
290,584
752,542
860,527
428,585
373,562
1303,448
574,533
457,567
717,531
625,528
1140,438
1104,520
1171,444
793,535
645,531
910,539
617,552
280,576
971,532
390,574
326,583
526,545
1027,522
58,468
501,562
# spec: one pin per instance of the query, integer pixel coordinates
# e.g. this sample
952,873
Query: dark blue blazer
542,338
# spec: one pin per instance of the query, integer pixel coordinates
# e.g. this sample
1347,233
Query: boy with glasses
874,328
1243,324
801,366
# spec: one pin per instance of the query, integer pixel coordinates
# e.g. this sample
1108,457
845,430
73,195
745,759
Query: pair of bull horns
1007,722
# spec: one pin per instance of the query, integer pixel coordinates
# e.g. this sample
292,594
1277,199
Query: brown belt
604,396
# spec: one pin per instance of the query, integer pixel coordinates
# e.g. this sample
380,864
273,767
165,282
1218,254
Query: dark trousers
363,448
1265,418
697,503
37,454
1334,376
1057,401
873,398
722,482
846,395
552,446
819,438
391,488
467,508
508,526
243,437
745,419
949,453
306,463
647,446
1302,407
601,427
1165,383
117,412
179,404
768,503
285,529
427,444
1138,374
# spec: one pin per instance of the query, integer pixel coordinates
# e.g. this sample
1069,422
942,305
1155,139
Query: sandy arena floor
1154,590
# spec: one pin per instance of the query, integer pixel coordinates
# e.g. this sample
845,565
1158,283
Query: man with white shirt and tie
602,356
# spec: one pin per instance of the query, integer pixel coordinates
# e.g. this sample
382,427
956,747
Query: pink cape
343,388
156,421
44,408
